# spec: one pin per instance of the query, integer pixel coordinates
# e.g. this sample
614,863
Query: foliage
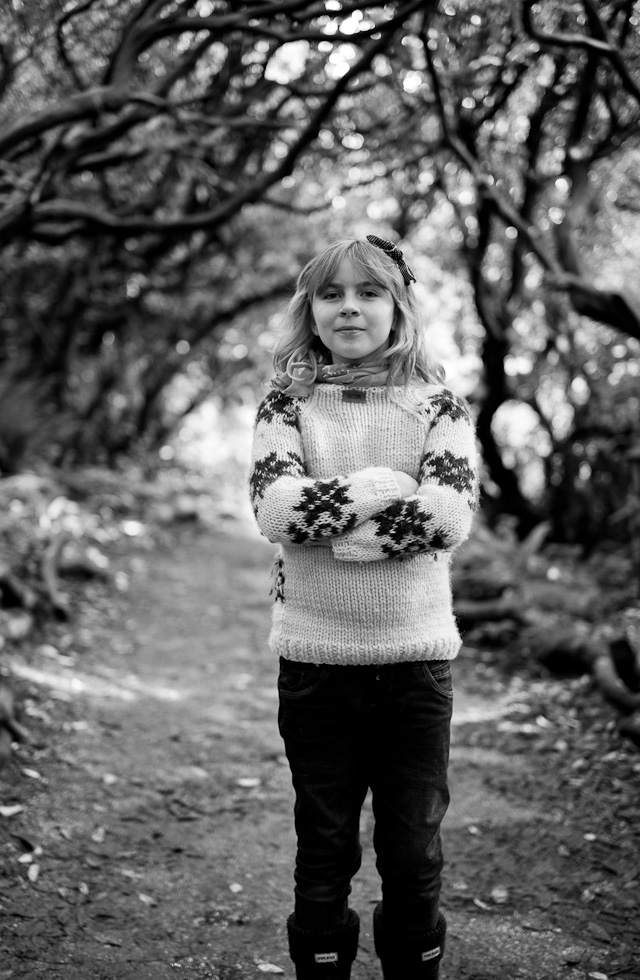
142,145
168,166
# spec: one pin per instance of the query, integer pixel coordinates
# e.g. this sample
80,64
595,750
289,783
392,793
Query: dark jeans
349,728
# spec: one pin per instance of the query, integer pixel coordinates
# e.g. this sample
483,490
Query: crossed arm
374,513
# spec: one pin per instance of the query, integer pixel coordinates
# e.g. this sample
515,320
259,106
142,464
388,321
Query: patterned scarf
300,377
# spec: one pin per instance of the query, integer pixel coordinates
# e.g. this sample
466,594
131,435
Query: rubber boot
324,955
409,956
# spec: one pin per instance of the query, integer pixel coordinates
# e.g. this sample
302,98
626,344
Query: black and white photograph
320,489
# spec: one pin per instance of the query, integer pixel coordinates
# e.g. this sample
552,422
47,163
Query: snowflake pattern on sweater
454,471
447,405
279,406
322,510
272,468
403,528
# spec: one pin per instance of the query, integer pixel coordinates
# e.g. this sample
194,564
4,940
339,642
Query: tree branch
82,106
602,45
606,306
78,215
603,305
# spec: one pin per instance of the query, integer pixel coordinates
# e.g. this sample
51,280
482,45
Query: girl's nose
349,305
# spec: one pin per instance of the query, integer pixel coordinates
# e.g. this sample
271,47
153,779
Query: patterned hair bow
394,252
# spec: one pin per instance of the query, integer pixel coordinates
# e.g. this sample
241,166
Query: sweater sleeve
290,506
439,515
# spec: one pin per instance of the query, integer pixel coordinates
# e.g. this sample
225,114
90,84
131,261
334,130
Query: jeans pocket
437,673
297,680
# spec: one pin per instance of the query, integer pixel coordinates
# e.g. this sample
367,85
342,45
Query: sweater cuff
374,489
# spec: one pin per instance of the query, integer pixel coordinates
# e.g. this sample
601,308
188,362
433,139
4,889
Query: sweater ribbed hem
444,649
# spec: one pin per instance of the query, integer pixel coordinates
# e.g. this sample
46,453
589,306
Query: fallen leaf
481,905
236,888
147,899
499,895
536,924
99,835
33,872
11,811
573,955
248,782
106,940
33,711
270,968
459,886
598,932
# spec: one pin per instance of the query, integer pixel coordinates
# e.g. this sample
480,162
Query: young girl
364,471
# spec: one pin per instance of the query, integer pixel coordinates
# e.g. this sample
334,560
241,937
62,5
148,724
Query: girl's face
352,317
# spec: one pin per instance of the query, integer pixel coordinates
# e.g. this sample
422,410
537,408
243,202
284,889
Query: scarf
300,377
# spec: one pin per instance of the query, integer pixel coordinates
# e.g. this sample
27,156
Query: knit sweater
362,573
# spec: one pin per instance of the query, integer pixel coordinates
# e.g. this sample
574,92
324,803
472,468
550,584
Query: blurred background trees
167,167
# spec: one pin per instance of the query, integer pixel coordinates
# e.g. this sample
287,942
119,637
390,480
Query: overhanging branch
602,45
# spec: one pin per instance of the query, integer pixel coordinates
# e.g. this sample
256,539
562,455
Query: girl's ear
312,324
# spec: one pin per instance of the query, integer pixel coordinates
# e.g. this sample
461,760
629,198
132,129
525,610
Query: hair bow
394,252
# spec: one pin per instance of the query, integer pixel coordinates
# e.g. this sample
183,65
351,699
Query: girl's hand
408,486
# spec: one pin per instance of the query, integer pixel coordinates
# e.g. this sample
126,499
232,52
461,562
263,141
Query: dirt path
155,838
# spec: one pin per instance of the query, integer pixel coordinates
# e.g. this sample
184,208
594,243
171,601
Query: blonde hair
407,354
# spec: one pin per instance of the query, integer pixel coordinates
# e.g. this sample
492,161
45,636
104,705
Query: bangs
369,263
